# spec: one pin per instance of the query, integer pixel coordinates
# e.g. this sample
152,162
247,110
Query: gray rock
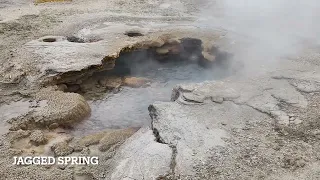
194,128
61,149
193,97
53,126
55,108
37,138
217,99
141,157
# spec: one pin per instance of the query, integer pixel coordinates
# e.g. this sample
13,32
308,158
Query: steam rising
275,28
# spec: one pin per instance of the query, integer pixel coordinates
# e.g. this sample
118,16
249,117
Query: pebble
162,50
217,99
297,121
53,126
62,166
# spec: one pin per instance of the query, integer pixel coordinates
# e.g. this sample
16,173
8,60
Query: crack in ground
171,175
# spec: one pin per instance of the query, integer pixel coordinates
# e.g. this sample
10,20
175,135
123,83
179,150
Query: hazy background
276,28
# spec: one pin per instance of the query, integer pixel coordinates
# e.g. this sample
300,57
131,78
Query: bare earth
259,122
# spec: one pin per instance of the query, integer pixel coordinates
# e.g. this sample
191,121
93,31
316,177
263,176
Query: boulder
53,108
61,108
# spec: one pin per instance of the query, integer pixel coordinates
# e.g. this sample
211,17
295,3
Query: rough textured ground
244,129
249,126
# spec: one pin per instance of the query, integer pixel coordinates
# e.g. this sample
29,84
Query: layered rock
53,108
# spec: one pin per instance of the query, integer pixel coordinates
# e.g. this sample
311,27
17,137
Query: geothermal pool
128,107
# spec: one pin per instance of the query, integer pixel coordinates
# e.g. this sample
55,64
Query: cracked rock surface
222,129
141,157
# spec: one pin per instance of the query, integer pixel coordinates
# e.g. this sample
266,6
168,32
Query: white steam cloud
277,27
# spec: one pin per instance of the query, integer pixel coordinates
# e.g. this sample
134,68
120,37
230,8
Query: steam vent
158,90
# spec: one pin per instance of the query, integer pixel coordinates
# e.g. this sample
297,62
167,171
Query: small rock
112,82
23,126
208,56
73,88
246,128
297,121
62,87
174,49
85,151
37,138
217,99
173,41
15,127
34,104
61,149
53,126
135,82
162,51
77,148
75,39
155,43
283,119
69,139
62,166
316,132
